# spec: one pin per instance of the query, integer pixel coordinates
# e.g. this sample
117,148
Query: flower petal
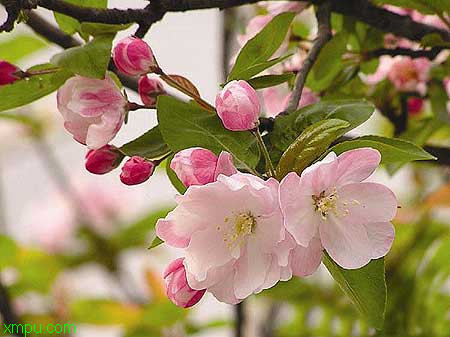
381,236
357,165
361,203
305,261
347,244
320,176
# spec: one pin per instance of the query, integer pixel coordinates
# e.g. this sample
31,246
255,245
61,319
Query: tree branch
428,53
323,36
240,319
6,310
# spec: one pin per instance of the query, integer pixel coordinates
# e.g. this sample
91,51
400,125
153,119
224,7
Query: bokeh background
73,246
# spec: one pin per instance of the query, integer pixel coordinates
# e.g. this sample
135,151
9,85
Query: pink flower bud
93,109
238,106
133,56
136,170
415,105
7,71
198,166
149,89
177,287
103,160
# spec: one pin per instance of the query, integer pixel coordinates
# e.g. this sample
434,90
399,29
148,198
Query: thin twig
323,36
266,155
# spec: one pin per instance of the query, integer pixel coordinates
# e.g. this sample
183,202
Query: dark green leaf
184,125
393,150
312,142
258,50
268,81
150,145
328,64
288,128
28,90
12,50
366,287
90,60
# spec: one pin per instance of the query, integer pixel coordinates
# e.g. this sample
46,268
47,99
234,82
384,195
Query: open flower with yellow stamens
330,202
233,235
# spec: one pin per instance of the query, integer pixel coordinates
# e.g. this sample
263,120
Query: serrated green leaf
328,64
184,125
70,25
268,81
150,145
12,50
288,128
90,60
28,90
312,142
255,69
257,50
366,287
393,150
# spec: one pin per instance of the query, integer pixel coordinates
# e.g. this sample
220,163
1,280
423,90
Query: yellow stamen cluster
324,204
238,227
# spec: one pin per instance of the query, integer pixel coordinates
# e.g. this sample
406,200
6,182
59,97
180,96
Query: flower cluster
241,234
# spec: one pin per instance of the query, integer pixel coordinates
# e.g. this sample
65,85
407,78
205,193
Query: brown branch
323,36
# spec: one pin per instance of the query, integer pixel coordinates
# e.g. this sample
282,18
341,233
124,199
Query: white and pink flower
331,203
93,109
233,236
133,56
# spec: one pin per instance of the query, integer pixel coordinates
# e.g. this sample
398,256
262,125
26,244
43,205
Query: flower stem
264,151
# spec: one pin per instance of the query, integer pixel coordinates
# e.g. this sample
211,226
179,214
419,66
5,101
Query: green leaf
393,150
328,64
313,141
258,50
8,251
268,81
366,287
184,125
70,25
246,74
288,128
90,60
179,186
28,90
155,243
434,40
150,145
12,50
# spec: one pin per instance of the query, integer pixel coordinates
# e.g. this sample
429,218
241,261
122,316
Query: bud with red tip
7,73
149,89
415,105
238,106
136,170
103,160
178,289
132,56
198,166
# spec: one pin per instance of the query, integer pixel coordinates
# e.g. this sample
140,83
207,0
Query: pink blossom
149,89
7,71
278,7
232,234
330,202
136,170
415,105
132,56
410,74
384,67
103,160
177,287
198,166
254,26
93,109
238,106
275,102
